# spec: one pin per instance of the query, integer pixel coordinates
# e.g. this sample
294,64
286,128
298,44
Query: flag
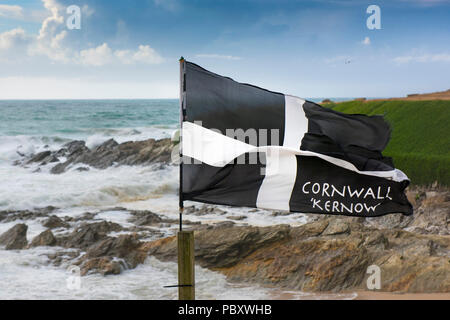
247,146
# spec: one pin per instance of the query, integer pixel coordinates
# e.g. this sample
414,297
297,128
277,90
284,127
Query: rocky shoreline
327,254
108,154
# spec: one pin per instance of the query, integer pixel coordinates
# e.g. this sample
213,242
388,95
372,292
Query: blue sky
129,49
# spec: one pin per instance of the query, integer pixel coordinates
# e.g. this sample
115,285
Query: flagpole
182,97
185,239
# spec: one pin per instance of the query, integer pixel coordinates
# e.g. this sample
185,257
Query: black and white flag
247,146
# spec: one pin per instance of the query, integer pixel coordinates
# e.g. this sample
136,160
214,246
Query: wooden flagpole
186,263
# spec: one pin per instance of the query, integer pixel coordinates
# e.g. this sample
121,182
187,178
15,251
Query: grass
420,141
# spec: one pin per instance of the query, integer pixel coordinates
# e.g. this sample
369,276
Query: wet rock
101,255
280,213
110,153
49,159
44,239
63,257
54,222
104,265
59,168
15,238
222,224
237,218
88,234
145,218
73,147
12,215
204,210
39,157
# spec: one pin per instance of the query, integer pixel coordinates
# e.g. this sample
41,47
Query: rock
106,146
336,227
45,239
218,249
204,210
110,153
15,238
104,265
391,221
222,224
280,213
88,234
59,168
145,218
49,159
237,218
39,157
54,222
101,254
121,247
9,216
330,254
73,147
63,257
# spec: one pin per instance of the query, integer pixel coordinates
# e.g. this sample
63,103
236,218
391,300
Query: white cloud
146,54
424,58
103,55
96,56
51,42
217,56
11,11
13,38
366,41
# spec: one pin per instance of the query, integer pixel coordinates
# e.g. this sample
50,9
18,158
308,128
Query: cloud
103,55
366,41
96,56
425,58
11,11
217,56
145,54
12,39
52,42
87,11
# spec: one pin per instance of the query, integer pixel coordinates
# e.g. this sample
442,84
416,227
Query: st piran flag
246,146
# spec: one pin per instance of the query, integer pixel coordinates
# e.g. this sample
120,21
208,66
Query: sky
130,49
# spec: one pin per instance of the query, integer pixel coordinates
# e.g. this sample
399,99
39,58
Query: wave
14,147
21,189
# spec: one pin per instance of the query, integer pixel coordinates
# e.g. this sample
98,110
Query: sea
31,126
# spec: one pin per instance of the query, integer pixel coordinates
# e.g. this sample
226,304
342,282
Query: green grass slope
420,140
